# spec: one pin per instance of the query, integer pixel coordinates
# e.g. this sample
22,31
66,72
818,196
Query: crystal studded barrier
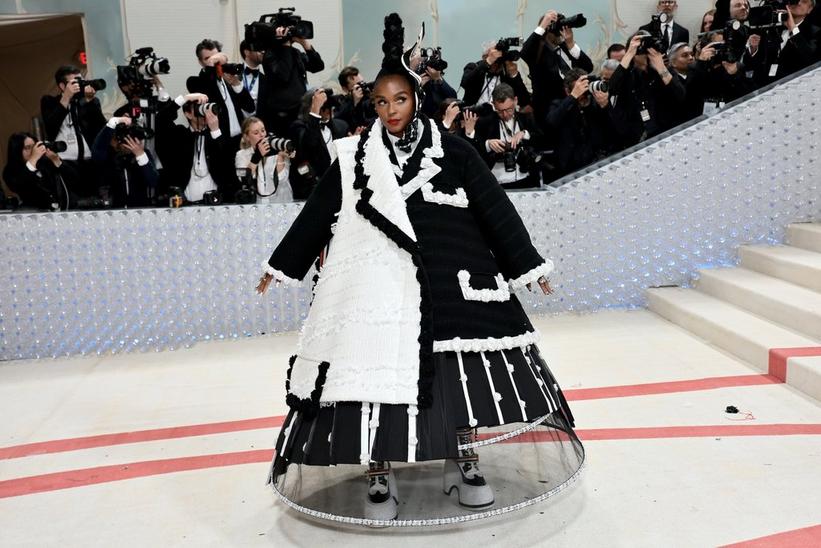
114,281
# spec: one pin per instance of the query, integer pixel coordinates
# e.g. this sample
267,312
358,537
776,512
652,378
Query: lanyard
250,86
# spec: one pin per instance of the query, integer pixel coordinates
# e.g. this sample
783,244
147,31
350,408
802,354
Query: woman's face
254,133
393,100
707,22
28,146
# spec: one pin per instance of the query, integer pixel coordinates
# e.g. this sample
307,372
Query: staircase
767,311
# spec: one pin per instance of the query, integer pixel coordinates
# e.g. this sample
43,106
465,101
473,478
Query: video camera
771,14
574,22
261,35
504,44
431,57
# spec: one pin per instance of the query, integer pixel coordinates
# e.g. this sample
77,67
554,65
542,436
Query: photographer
506,140
75,117
723,80
496,67
355,109
253,75
799,46
224,88
550,52
286,72
455,118
637,87
37,174
198,153
260,168
583,124
127,169
671,32
313,136
436,89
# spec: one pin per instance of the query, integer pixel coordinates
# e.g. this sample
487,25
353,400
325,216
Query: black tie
666,37
249,70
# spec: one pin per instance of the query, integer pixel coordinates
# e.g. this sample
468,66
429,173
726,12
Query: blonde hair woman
256,163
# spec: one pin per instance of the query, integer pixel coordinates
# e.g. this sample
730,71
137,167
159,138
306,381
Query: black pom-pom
394,40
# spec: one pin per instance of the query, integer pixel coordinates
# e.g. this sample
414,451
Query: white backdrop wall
344,28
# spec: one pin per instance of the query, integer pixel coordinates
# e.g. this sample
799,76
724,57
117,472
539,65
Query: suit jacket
544,64
474,79
488,128
204,83
584,134
800,51
177,144
312,151
86,115
679,34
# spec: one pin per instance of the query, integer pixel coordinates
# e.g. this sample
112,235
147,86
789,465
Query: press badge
773,70
645,115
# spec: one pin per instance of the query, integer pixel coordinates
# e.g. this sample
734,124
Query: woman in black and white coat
415,337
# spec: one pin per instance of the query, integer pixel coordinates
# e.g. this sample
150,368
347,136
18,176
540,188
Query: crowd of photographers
254,132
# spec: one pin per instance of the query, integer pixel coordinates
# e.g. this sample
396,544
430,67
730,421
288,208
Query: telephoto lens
56,146
201,109
154,66
97,84
598,85
280,145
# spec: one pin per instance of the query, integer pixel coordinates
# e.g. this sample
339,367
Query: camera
574,22
212,197
333,100
431,57
135,131
97,84
279,144
148,64
366,87
504,44
56,146
261,35
650,41
200,109
233,68
772,14
138,74
597,84
245,195
523,157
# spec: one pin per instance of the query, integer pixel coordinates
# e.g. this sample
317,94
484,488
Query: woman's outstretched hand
544,283
264,282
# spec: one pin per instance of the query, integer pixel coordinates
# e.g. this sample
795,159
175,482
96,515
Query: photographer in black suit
799,47
197,153
127,169
583,122
550,52
671,32
75,117
507,141
313,136
286,73
479,79
224,89
355,109
38,175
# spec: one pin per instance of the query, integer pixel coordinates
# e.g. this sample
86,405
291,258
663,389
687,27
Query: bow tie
249,70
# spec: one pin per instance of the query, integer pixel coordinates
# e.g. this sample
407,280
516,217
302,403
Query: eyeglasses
668,2
510,110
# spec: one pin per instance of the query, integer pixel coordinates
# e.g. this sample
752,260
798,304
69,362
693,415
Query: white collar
393,140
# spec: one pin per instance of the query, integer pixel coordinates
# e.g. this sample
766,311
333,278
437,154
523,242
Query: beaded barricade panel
119,281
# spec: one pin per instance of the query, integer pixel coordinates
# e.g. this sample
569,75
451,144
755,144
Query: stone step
791,264
735,331
788,304
805,235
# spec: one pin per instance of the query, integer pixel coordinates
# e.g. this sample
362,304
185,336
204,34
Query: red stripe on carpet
779,357
105,440
799,538
693,385
104,474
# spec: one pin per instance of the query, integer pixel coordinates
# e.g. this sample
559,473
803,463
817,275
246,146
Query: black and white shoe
382,502
463,475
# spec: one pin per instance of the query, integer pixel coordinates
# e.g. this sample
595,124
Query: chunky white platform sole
474,497
387,510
